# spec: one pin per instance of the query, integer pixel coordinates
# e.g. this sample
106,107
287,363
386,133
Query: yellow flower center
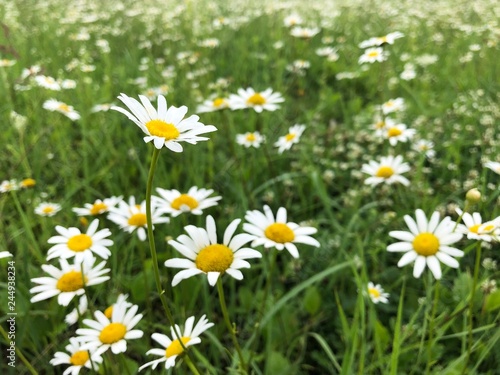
175,347
71,281
374,292
160,128
137,220
474,228
373,54
426,244
28,182
112,333
380,125
80,242
214,258
250,137
394,132
290,136
98,208
280,233
108,313
79,358
385,171
256,99
219,102
485,228
184,200
48,209
64,107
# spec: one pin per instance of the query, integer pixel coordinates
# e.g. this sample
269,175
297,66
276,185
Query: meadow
323,180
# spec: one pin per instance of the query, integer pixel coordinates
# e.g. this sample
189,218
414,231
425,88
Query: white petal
433,264
419,266
407,258
213,277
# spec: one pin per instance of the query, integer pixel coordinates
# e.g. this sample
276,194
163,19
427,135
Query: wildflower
67,110
425,147
206,255
259,101
165,126
175,203
304,32
132,217
31,71
396,133
250,139
493,165
376,293
215,103
474,227
5,254
71,242
373,54
122,299
47,209
77,358
378,41
113,333
388,171
286,142
292,20
68,281
210,43
27,183
473,196
98,207
105,107
8,185
171,348
18,121
78,311
393,105
427,243
47,83
277,233
7,63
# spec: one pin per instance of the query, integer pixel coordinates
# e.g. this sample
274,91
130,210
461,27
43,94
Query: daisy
7,63
165,126
67,110
396,133
31,71
250,139
286,142
77,358
277,233
47,209
175,203
259,101
171,348
493,165
393,105
113,333
121,300
425,147
304,32
132,217
427,243
78,311
73,243
292,20
47,83
474,227
98,207
8,185
206,255
388,171
105,107
376,293
68,281
373,54
378,41
215,103
5,254
27,183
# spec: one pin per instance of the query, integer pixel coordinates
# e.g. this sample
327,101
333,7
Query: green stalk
191,366
19,353
431,327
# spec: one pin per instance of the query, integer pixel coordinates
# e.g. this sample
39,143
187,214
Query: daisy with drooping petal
474,227
259,101
5,254
132,217
47,209
98,207
250,139
71,242
68,281
171,348
372,55
206,255
113,333
376,293
175,203
277,233
66,110
77,358
165,126
427,243
493,165
388,171
286,142
215,103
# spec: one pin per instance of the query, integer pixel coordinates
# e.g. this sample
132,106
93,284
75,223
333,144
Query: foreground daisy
132,217
250,139
171,348
388,171
113,333
427,243
69,281
376,293
259,101
175,203
67,110
165,126
98,207
206,255
286,142
277,232
47,209
474,227
77,358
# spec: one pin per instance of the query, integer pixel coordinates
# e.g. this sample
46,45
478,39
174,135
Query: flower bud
473,196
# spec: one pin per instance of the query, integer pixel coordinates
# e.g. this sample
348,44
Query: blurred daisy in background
376,293
388,171
248,98
474,227
287,141
393,105
425,147
47,83
304,32
214,103
175,203
98,207
77,358
171,348
372,55
396,133
250,139
47,209
67,110
120,300
9,185
380,40
7,63
292,20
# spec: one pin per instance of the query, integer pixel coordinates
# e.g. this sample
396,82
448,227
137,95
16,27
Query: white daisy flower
474,227
427,243
304,32
47,83
98,207
372,55
396,133
378,41
73,243
78,311
9,185
425,147
5,254
286,142
67,110
171,348
393,105
47,209
175,203
493,165
212,104
388,171
68,281
277,233
292,20
132,217
206,255
77,358
259,101
165,126
250,139
113,333
376,293
120,300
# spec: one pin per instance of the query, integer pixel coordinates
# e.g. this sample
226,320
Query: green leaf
312,300
278,364
492,301
382,334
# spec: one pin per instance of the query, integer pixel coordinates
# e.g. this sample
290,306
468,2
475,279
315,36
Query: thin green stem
19,353
431,327
229,326
191,366
267,287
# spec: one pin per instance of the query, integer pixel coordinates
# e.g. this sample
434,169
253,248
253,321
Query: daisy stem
19,353
191,366
267,288
431,327
230,326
